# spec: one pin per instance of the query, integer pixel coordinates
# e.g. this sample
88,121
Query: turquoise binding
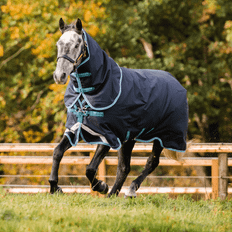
86,74
78,75
83,90
82,110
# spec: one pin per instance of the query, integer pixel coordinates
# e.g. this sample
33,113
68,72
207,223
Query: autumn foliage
31,105
191,39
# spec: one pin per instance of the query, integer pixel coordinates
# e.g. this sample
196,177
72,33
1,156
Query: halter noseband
78,60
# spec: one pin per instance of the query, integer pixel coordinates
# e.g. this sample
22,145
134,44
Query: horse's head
70,48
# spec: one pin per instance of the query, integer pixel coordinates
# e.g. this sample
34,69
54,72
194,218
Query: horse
114,107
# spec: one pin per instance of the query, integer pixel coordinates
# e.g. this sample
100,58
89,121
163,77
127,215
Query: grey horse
114,107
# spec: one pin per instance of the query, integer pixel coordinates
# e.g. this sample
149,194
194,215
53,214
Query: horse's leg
124,158
91,169
152,163
57,156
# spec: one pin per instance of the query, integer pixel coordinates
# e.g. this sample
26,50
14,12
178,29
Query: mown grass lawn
81,212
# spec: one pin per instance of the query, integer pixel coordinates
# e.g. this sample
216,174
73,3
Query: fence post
93,193
223,172
102,171
101,174
214,171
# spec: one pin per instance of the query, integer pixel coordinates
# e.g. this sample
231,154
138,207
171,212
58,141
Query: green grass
80,212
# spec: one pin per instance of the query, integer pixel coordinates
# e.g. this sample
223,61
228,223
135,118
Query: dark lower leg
57,156
91,170
152,163
124,158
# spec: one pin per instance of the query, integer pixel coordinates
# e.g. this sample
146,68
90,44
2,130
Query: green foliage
77,212
31,106
191,39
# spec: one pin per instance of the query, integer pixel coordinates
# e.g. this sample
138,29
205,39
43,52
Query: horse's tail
175,154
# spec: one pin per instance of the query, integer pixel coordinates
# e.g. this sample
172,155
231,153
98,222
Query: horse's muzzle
60,80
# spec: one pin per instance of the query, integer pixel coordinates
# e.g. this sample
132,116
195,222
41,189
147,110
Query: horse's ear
79,25
61,24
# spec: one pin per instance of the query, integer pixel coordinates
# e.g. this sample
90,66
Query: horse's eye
77,45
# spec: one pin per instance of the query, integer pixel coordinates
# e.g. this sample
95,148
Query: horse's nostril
63,76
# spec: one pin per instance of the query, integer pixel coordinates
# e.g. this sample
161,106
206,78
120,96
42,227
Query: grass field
78,212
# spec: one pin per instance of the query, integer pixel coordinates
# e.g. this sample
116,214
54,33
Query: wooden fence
219,164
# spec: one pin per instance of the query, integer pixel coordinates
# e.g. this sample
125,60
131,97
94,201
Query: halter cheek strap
66,57
78,60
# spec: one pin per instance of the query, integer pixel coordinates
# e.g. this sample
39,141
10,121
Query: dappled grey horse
114,107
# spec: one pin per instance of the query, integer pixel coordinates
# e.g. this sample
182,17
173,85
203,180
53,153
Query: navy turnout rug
107,104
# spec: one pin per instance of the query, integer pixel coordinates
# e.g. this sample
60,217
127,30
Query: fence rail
83,147
219,165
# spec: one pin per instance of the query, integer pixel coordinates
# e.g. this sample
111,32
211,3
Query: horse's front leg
57,156
91,169
152,163
124,158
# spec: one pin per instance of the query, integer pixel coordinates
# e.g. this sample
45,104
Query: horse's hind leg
152,163
91,169
57,156
124,158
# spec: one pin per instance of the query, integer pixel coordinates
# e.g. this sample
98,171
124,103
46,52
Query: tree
190,39
31,106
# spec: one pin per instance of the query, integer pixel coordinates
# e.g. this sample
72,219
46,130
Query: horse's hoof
101,187
59,190
130,193
54,188
106,188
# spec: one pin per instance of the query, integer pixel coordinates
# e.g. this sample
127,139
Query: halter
78,60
